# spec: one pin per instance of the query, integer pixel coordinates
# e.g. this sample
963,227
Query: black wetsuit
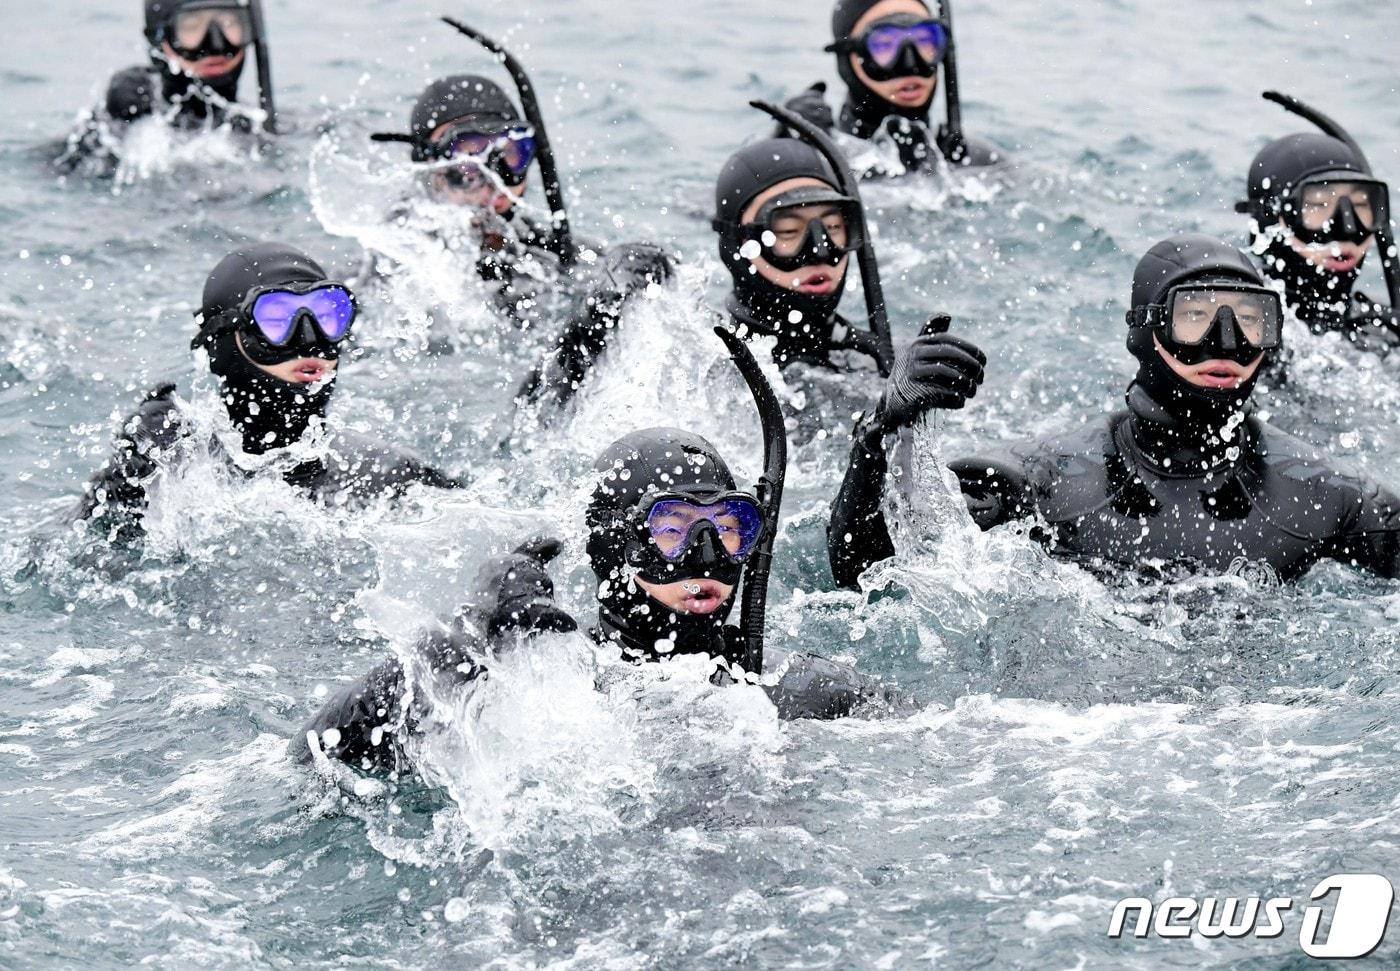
141,92
152,439
371,720
872,119
599,296
1328,303
1133,492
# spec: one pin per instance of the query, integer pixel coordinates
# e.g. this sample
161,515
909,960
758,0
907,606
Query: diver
788,219
786,234
477,149
274,329
1185,479
669,539
1316,212
198,50
888,53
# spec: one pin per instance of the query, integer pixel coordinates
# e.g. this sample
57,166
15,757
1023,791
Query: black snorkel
865,256
769,493
269,108
1385,239
562,240
956,148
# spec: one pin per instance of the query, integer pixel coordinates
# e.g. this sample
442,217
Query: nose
820,243
1228,325
305,331
1345,218
909,62
706,547
216,41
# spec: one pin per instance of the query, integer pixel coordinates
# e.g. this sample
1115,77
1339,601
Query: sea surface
1077,741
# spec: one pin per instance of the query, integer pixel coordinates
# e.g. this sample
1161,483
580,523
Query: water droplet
750,249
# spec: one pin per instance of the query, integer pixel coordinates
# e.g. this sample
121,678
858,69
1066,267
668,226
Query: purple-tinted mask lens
738,522
275,312
929,37
516,147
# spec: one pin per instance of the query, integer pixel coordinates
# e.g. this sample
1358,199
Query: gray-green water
1079,743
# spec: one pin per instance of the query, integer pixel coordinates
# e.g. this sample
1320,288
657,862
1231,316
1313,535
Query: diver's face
792,222
303,370
466,187
1219,374
908,92
206,68
1341,257
702,596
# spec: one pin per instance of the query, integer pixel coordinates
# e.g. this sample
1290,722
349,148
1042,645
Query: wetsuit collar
1172,446
706,638
1320,298
811,345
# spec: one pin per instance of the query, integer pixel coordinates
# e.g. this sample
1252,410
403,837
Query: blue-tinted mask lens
515,147
334,309
883,42
930,40
275,312
737,521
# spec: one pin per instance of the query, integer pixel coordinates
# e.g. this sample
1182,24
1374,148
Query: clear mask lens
1196,311
191,27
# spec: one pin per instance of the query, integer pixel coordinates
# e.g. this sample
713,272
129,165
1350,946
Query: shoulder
1069,452
980,153
1304,467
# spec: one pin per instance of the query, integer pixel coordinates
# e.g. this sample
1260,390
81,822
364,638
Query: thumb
937,324
540,548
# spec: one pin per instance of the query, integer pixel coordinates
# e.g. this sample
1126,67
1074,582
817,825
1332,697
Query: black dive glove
936,371
517,591
811,104
634,265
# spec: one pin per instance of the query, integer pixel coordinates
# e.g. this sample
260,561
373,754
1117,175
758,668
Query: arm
937,371
811,105
363,723
975,152
810,686
857,535
629,268
116,494
369,470
1371,539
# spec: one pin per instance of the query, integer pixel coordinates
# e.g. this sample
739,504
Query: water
1079,742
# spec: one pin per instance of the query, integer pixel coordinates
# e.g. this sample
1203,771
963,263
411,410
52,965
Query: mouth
911,90
212,66
702,597
309,370
818,282
1340,261
1220,374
